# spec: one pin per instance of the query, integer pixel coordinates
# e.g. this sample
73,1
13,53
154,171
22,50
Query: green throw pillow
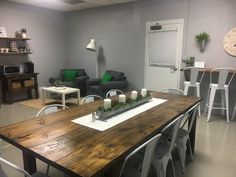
106,78
69,75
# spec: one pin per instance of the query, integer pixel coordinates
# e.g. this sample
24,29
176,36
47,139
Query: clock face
230,42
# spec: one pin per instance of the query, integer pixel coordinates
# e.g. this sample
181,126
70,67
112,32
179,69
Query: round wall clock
230,42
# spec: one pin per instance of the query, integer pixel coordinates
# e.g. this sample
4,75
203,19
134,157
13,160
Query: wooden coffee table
63,91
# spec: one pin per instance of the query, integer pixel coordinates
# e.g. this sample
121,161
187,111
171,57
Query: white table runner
104,125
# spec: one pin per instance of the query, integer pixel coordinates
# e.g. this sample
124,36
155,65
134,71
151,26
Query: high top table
80,151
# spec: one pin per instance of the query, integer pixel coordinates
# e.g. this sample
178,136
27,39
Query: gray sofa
78,82
119,81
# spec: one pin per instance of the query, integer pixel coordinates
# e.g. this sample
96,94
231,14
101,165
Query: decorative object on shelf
23,33
58,83
202,40
118,106
3,32
4,50
13,46
230,42
189,61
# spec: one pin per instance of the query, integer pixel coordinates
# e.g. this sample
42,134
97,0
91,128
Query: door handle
173,69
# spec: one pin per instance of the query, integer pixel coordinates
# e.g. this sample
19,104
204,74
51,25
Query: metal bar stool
194,81
221,83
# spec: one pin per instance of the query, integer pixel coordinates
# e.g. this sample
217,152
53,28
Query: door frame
179,47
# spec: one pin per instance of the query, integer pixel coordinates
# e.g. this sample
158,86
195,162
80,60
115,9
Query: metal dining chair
48,110
193,78
90,98
221,82
173,91
163,154
183,140
143,170
113,92
17,169
233,114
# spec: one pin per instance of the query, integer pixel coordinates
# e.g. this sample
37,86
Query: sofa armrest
114,85
53,79
81,78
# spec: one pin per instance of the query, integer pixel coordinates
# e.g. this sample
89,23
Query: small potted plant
58,83
202,39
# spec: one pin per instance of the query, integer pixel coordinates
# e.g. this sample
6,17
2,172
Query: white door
163,54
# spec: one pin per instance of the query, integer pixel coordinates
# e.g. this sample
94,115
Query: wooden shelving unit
14,38
4,43
15,53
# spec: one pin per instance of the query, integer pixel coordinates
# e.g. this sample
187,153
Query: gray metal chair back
90,98
194,74
174,125
50,109
149,151
18,169
223,76
113,92
191,113
173,91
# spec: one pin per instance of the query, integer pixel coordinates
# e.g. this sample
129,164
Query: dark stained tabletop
87,152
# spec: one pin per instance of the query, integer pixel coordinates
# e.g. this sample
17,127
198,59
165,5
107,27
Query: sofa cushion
80,72
106,78
69,75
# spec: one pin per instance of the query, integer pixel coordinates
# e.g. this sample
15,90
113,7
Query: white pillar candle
144,92
134,95
106,103
122,98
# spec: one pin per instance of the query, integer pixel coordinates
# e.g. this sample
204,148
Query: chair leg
190,149
182,155
223,102
173,167
207,102
198,94
233,113
47,171
1,147
227,103
186,89
211,101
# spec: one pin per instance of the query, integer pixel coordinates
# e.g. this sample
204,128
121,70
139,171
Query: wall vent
72,2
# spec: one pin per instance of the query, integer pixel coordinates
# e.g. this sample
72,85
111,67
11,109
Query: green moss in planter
202,36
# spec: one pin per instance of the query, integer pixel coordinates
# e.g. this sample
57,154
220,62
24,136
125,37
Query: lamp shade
92,45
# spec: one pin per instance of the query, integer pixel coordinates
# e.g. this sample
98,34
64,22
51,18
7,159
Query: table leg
29,162
78,97
192,133
44,96
63,100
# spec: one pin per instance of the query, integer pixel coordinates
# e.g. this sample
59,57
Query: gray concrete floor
214,154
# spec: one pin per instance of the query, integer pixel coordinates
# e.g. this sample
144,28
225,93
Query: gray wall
47,28
59,39
120,32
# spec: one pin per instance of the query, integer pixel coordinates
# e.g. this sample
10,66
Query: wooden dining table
85,152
